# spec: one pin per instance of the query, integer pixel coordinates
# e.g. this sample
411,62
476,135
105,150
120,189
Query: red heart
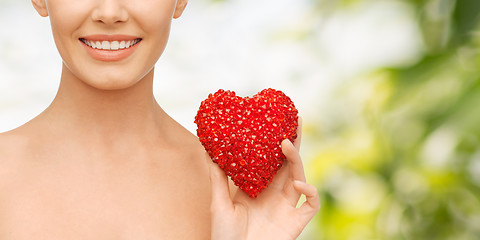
243,135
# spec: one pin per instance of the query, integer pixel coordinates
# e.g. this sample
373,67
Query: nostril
109,12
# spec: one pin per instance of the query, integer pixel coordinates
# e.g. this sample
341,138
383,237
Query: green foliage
406,164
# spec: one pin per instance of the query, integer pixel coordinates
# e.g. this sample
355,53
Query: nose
109,12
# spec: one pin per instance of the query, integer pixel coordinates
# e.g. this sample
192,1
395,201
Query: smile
110,45
110,48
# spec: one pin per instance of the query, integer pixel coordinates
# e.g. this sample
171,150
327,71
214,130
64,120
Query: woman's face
110,44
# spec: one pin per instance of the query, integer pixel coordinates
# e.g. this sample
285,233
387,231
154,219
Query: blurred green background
400,157
388,90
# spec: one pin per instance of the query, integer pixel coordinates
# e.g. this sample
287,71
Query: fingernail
287,140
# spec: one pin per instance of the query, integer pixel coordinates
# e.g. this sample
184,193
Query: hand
273,214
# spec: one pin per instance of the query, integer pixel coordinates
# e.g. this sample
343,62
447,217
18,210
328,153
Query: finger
221,199
298,140
295,172
310,207
280,178
283,174
294,161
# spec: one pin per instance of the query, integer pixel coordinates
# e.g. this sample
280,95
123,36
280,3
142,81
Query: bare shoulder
13,146
186,140
194,149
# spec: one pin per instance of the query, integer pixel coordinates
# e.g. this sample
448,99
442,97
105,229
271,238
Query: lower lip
110,55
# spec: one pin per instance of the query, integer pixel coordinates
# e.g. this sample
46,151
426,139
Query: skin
104,161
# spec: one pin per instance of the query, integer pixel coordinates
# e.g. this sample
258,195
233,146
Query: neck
105,114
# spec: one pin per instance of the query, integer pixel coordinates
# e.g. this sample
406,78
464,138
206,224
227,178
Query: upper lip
109,37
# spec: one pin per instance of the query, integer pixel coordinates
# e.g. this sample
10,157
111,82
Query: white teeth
106,45
114,45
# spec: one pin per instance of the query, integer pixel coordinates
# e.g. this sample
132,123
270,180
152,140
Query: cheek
155,20
68,15
154,16
65,18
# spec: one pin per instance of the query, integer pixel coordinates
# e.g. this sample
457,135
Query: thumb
221,199
310,207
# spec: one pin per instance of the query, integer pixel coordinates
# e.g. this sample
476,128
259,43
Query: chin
109,85
116,81
107,77
102,82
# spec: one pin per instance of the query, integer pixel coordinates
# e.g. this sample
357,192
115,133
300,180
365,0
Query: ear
41,7
181,4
